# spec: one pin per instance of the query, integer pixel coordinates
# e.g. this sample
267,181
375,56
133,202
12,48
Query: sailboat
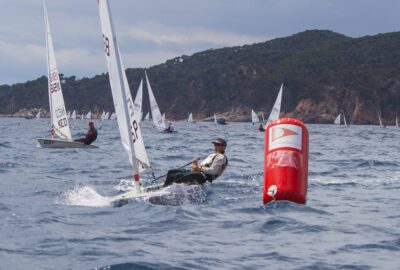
337,119
73,115
397,122
276,109
344,120
254,118
69,115
38,115
107,116
82,116
158,119
58,113
89,115
137,105
190,118
219,121
113,117
380,120
127,119
147,117
103,116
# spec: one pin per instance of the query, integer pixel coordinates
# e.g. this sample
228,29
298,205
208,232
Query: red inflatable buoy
286,161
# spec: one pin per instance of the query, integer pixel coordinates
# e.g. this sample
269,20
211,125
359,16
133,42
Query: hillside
323,72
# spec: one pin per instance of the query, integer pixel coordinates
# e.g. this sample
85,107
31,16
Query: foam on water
83,196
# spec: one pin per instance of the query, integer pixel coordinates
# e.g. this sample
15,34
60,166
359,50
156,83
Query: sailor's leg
191,178
173,175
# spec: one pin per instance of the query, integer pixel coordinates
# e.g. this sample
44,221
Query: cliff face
324,73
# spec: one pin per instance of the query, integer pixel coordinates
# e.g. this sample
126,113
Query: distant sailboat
254,118
219,121
103,116
129,127
113,117
158,120
69,115
190,118
107,116
337,119
88,115
147,117
344,120
58,113
137,105
73,115
397,122
276,109
38,115
380,120
82,116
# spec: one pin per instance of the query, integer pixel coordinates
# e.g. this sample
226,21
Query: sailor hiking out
208,170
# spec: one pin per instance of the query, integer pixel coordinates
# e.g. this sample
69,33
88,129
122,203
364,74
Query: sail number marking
106,42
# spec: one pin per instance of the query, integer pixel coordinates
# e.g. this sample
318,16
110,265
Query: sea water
55,210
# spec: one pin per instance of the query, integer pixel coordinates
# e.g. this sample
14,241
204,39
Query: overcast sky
151,31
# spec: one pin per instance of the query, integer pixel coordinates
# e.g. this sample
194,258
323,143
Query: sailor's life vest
214,165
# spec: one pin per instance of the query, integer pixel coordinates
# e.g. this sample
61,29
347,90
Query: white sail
337,119
107,116
344,119
158,120
190,118
112,117
147,117
58,113
82,116
38,115
129,128
397,122
163,118
137,105
68,115
254,118
380,120
88,115
73,115
277,107
215,118
103,116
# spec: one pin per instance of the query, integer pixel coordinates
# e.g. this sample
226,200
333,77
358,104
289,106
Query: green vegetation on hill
323,72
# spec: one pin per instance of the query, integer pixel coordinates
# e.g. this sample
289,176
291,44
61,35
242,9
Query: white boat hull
49,143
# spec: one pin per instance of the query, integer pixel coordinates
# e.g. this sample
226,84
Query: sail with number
337,119
58,113
254,118
128,125
137,105
158,120
277,107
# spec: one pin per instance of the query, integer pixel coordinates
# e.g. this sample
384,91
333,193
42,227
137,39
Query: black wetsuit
90,137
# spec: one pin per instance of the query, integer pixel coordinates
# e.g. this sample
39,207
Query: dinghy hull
49,143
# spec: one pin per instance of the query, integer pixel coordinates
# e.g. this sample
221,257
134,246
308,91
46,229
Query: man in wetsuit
90,136
170,128
208,170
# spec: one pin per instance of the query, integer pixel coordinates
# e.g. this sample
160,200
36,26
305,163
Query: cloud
188,36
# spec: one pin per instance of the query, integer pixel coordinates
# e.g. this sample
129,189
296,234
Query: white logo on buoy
285,135
272,190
